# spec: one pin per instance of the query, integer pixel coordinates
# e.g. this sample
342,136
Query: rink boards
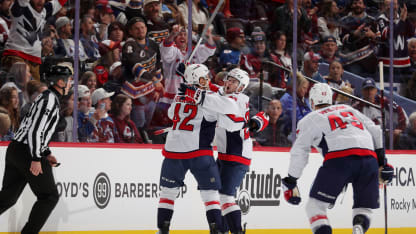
114,189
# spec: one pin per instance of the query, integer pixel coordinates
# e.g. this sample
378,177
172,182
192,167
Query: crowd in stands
132,55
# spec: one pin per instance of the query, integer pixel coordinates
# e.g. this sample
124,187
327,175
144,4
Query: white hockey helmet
241,76
195,71
320,94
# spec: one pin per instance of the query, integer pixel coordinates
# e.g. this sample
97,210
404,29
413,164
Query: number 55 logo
102,190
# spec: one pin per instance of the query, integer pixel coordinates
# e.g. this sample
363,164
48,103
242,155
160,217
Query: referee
28,157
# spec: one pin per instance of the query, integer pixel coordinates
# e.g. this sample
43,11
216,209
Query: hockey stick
161,131
383,127
217,8
333,89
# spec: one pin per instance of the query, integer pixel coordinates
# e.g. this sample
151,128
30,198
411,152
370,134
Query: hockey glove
381,157
259,122
180,70
386,174
192,93
290,190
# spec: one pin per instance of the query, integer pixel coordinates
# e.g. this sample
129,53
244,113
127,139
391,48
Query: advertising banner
118,189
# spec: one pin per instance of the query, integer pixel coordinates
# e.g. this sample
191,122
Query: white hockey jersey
335,131
27,26
237,145
193,127
171,57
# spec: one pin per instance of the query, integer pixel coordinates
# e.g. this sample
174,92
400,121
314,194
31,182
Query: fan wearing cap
329,50
104,128
369,93
65,44
85,113
24,43
253,64
157,27
110,52
103,16
311,65
231,54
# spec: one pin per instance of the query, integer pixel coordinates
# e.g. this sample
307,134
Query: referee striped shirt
38,125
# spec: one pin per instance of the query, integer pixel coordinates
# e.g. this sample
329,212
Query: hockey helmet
195,71
320,94
241,76
56,73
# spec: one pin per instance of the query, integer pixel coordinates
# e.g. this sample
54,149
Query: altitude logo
259,189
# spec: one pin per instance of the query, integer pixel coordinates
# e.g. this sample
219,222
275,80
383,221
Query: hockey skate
213,229
165,228
357,229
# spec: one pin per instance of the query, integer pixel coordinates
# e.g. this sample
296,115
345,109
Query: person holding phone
104,128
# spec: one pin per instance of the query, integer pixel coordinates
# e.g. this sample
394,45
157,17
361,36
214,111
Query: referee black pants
17,175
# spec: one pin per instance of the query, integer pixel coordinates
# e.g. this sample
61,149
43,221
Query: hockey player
189,146
235,147
353,153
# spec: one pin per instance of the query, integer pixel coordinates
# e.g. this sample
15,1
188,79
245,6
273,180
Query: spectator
116,32
103,17
283,21
411,87
65,45
275,134
173,52
110,52
88,37
248,10
173,14
120,113
20,73
359,37
89,79
258,54
329,50
134,9
407,139
369,93
142,71
9,100
311,65
302,104
85,114
231,54
403,30
33,88
334,78
67,107
280,55
24,40
104,128
199,14
342,99
411,45
327,23
4,124
5,21
157,28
